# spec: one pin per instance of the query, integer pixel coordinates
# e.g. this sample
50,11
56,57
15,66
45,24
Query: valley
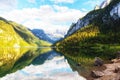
88,50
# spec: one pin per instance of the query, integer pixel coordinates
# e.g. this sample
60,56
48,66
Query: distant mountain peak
51,37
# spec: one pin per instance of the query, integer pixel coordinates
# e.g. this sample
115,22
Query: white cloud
32,1
7,5
63,1
46,17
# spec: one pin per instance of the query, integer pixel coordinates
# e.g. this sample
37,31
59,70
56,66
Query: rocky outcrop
112,72
115,12
117,69
97,74
98,61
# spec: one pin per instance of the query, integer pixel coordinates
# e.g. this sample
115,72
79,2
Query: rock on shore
112,72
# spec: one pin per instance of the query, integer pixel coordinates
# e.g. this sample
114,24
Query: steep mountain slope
28,36
42,35
8,37
97,27
16,35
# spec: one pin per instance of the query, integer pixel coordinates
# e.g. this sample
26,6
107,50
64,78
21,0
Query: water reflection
41,65
13,59
46,56
8,57
82,60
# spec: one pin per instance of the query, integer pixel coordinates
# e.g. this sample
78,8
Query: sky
49,15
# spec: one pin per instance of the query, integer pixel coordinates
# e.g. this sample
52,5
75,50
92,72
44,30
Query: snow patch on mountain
57,34
105,3
97,7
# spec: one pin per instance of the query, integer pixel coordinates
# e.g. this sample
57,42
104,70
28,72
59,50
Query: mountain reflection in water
46,66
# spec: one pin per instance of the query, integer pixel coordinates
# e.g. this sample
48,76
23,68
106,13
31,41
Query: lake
37,64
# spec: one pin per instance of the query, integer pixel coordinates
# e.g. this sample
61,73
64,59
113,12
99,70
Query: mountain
42,35
16,35
86,20
48,36
97,28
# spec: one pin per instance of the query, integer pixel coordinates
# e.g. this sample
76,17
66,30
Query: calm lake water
36,64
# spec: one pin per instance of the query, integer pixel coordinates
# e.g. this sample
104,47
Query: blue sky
48,15
74,4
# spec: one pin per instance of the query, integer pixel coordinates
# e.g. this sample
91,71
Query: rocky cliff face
115,11
82,22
